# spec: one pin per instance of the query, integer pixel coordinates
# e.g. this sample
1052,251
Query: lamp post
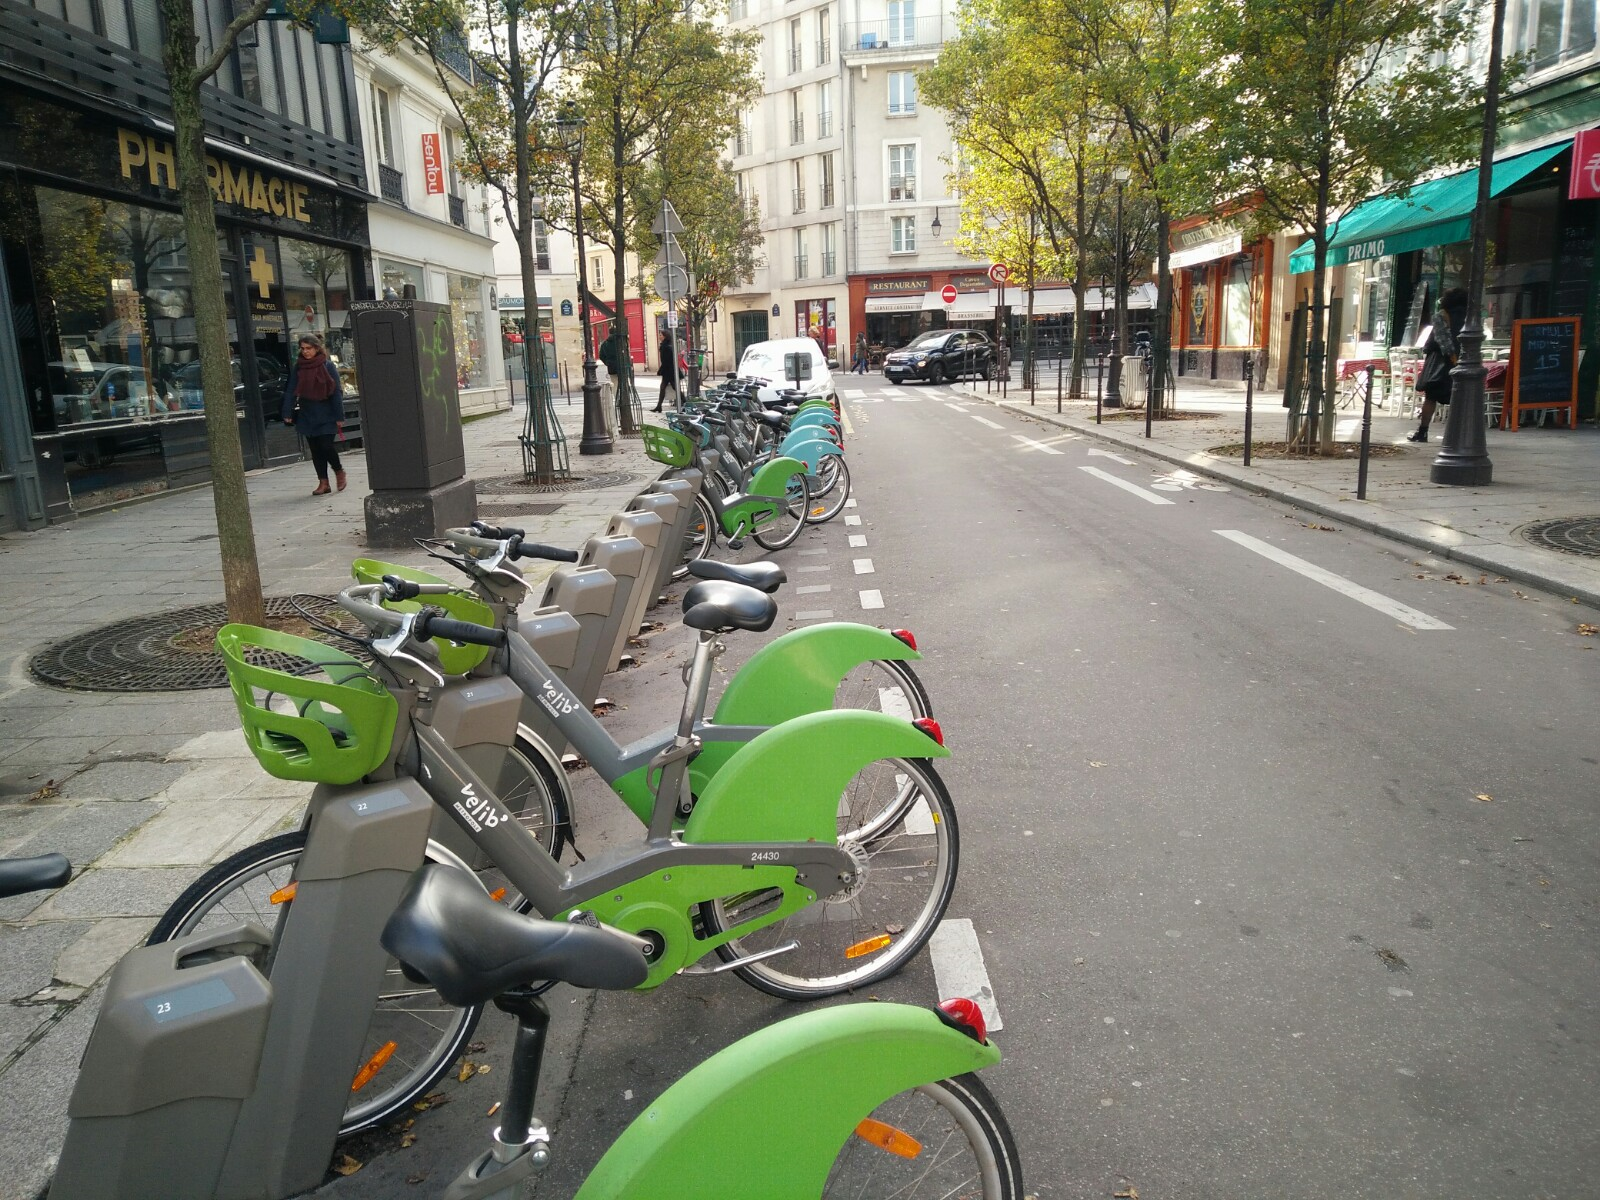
936,226
1119,328
596,439
1464,456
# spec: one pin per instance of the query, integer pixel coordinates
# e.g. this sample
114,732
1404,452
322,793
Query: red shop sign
432,164
1585,166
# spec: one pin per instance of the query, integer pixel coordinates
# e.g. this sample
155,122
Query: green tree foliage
1309,105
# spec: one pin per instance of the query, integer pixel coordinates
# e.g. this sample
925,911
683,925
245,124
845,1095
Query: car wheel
896,380
936,373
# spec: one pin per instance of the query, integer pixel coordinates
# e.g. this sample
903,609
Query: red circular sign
948,294
999,272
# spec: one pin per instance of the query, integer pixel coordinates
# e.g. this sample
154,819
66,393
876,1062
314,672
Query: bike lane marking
1029,444
954,407
858,541
844,419
872,599
958,968
986,421
1125,485
1403,613
864,566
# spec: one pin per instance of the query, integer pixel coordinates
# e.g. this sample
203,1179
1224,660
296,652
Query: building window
541,245
794,45
903,171
902,235
1237,327
902,22
824,35
825,179
797,120
902,93
744,141
830,260
596,279
824,110
1551,30
383,127
738,10
799,205
394,276
800,254
466,315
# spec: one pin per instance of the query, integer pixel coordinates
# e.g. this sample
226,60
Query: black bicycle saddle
721,606
763,576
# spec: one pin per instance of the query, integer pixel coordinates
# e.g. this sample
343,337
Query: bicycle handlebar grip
538,550
430,624
499,533
396,588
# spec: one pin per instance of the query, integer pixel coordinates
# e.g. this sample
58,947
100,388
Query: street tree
1313,104
186,70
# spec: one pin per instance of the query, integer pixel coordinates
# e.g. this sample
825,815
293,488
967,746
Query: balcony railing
391,184
797,131
794,59
458,212
827,198
800,266
798,200
824,124
829,262
824,51
888,36
902,108
744,143
450,48
902,187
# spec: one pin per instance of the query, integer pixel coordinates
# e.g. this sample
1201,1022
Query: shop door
748,329
633,312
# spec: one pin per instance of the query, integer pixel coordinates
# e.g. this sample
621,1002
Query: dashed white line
812,570
1403,613
872,599
954,407
958,968
820,614
1142,493
986,421
864,566
811,589
810,553
858,541
892,702
850,503
852,519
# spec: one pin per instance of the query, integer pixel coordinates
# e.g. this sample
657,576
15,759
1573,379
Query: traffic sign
948,294
666,221
671,254
671,282
999,272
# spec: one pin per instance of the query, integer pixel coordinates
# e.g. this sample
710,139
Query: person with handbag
1434,380
313,403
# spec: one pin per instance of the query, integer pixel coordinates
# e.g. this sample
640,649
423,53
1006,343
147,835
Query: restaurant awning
1435,213
892,304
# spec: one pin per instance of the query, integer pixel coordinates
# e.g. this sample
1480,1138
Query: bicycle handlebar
396,588
363,601
492,539
431,623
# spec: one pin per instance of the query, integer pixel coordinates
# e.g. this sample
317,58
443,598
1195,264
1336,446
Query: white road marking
812,589
1127,462
863,566
820,614
906,399
844,420
852,520
1126,486
958,968
850,503
986,421
1179,479
954,407
1403,613
810,553
812,570
852,394
1029,444
892,700
872,599
858,541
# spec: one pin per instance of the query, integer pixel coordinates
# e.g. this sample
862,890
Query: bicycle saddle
722,606
471,948
763,576
19,875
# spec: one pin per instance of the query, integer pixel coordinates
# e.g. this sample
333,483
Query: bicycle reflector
906,636
887,1137
930,727
965,1015
284,893
374,1065
871,946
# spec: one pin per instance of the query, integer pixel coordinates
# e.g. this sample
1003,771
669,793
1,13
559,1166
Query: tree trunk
236,539
1161,335
1080,289
619,251
544,465
1316,337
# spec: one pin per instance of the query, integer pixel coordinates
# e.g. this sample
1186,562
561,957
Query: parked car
765,361
104,392
942,354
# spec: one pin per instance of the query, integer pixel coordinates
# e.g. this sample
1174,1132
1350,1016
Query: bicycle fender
785,785
797,1090
800,672
772,479
812,451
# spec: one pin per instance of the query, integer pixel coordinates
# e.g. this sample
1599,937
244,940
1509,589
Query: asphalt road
1283,888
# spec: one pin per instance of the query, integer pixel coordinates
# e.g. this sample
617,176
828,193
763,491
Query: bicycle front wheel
885,685
897,822
781,530
698,538
954,1141
829,500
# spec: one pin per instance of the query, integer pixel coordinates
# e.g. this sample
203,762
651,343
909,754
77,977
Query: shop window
316,295
467,318
393,277
1237,326
1198,312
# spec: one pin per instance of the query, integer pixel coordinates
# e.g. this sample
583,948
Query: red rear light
906,636
930,727
965,1015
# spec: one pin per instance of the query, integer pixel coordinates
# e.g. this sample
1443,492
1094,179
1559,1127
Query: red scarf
314,383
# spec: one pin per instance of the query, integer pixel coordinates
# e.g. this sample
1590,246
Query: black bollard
1249,401
1366,438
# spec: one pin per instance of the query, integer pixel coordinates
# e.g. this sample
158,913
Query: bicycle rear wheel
885,685
954,1141
781,530
698,538
828,501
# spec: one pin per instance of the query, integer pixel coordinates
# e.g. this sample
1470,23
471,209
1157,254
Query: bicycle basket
330,730
461,606
667,446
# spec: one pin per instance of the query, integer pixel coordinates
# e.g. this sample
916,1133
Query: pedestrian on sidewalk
668,370
1434,380
859,366
313,403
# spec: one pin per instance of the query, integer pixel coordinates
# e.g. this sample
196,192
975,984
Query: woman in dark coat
1434,381
314,404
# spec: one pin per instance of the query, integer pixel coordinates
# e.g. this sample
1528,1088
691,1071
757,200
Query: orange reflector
284,893
374,1065
497,895
871,945
887,1137
819,510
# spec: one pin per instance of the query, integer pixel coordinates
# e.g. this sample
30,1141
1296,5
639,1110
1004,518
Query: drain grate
173,651
519,483
514,509
1568,535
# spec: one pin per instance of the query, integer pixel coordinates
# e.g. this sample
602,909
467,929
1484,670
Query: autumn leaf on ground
1097,764
483,1069
1587,630
1484,796
468,1070
407,1140
1128,1193
45,792
1392,960
345,1165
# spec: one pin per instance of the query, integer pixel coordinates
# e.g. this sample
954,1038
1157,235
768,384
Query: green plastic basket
667,446
341,727
462,606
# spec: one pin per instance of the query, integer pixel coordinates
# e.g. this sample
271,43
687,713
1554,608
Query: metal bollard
1099,386
1366,438
1249,402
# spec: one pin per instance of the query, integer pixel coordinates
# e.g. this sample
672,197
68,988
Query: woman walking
1434,381
314,404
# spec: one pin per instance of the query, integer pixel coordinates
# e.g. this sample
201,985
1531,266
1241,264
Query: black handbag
1435,369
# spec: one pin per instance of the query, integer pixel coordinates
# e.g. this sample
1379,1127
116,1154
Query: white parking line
1030,444
812,570
1403,613
820,614
954,407
986,421
812,589
958,968
850,503
892,701
857,541
863,566
1142,493
852,520
872,599
810,553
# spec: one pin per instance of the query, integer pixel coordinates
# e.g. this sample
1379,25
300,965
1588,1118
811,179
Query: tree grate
174,651
513,508
1567,535
521,484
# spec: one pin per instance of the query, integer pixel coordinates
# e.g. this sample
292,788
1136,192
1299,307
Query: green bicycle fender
785,785
772,479
796,1089
371,570
800,672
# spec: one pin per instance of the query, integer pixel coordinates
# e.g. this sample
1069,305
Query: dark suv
942,354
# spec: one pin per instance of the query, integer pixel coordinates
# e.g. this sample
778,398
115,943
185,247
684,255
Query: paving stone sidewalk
143,791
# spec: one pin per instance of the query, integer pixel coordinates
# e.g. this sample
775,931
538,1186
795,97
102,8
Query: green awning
1435,213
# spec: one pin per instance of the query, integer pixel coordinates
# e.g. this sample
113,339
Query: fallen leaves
1097,764
1392,960
1128,1193
1322,528
1521,595
345,1165
470,1069
47,790
431,1100
1587,630
1484,796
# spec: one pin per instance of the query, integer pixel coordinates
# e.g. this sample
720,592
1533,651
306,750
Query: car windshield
929,341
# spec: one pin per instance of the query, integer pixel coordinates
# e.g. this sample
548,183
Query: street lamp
596,439
936,227
1119,327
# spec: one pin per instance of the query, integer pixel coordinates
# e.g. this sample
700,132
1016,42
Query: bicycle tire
782,530
838,489
698,537
963,1143
906,843
887,685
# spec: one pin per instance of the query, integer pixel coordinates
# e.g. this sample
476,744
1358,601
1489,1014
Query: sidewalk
1539,475
142,791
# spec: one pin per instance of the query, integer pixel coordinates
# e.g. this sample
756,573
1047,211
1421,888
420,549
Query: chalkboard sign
1544,367
1573,266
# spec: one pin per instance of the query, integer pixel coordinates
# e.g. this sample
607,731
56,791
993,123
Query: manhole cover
172,651
1569,535
513,509
503,484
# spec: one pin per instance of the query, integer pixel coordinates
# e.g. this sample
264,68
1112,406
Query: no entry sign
948,293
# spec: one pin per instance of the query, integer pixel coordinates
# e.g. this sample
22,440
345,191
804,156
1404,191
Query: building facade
100,397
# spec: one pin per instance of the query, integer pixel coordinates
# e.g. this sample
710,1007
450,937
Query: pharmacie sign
144,158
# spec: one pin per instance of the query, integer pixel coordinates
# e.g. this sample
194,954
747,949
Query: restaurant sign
896,287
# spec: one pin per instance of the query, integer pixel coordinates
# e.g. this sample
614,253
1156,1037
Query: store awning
970,304
1223,247
1435,213
894,304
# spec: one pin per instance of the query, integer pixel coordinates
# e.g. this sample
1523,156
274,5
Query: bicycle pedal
735,543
